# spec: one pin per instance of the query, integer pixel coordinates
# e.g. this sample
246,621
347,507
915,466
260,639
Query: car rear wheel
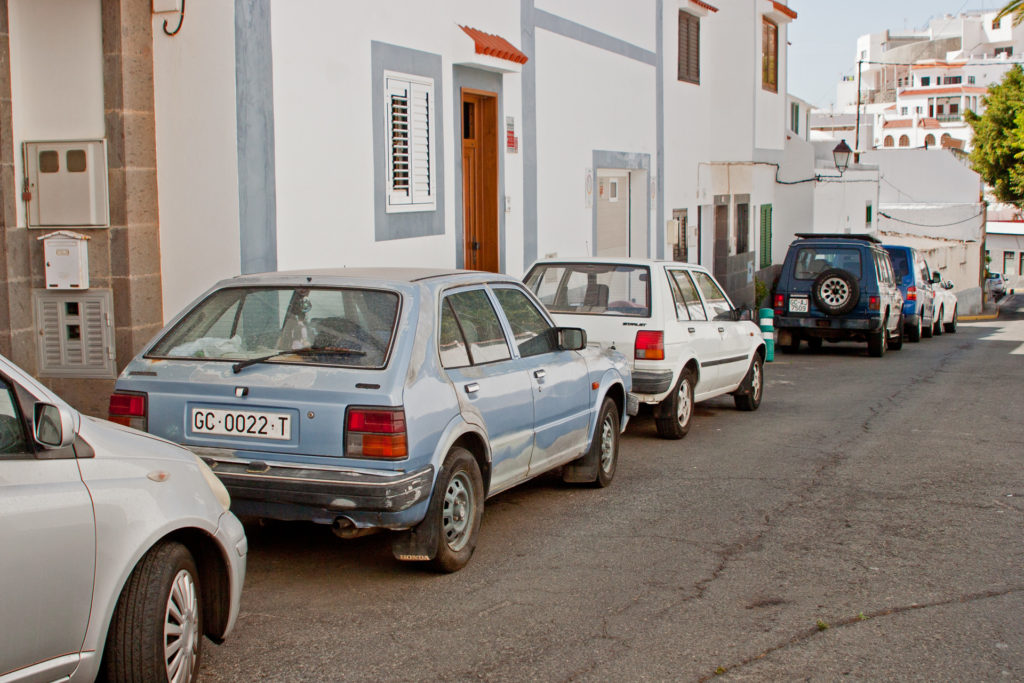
914,332
677,408
951,325
456,508
814,343
876,340
835,291
752,386
937,327
156,631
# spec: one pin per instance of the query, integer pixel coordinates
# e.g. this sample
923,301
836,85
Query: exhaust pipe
343,527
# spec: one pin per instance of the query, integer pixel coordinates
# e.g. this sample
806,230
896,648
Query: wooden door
480,179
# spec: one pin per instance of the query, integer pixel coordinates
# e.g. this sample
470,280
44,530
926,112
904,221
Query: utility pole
856,139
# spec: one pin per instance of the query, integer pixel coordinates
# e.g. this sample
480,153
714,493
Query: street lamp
841,153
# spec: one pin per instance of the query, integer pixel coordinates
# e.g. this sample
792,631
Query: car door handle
540,374
691,330
472,388
721,329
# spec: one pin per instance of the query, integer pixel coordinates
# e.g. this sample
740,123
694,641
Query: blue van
915,281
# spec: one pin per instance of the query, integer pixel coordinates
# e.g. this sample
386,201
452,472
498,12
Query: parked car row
366,399
840,287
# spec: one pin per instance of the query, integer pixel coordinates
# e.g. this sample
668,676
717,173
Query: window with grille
410,142
689,47
766,235
769,55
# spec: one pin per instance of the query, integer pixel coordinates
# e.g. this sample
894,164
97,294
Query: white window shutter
410,143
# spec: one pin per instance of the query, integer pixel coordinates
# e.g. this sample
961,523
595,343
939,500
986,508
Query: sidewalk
990,311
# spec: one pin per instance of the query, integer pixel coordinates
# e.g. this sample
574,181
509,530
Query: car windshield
348,327
812,261
592,288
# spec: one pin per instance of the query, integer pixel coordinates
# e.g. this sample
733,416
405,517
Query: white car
117,550
945,304
687,342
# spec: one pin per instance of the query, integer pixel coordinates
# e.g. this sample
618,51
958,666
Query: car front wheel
876,340
156,631
677,408
951,325
914,333
896,338
937,328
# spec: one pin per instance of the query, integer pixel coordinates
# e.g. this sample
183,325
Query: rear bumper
824,324
649,382
319,493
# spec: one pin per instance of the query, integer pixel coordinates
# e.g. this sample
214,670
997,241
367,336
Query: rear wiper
304,351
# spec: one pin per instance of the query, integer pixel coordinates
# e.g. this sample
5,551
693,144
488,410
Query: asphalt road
867,522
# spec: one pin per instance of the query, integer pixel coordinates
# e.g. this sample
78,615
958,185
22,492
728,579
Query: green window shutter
766,235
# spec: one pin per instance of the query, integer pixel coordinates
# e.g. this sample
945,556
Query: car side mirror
572,338
947,285
744,314
936,277
53,427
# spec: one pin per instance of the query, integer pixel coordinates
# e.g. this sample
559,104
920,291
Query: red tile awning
704,5
494,46
779,7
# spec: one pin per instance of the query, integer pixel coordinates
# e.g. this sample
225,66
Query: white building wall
196,152
997,243
56,53
840,204
587,99
632,22
793,210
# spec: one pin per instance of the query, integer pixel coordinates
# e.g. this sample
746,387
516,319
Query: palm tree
1014,7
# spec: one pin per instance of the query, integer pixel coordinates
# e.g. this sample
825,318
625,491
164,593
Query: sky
823,38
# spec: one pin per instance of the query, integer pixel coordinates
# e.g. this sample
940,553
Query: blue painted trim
401,225
570,29
527,37
659,216
254,111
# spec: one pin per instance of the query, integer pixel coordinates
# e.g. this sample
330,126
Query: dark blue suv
838,288
915,281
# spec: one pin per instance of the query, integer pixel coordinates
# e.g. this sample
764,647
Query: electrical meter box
67,184
67,260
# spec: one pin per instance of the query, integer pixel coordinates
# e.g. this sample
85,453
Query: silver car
117,550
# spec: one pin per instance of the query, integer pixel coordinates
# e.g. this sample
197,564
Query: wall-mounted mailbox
66,183
67,260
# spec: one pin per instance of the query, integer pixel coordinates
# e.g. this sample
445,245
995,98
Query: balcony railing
947,118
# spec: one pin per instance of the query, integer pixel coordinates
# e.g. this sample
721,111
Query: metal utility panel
67,183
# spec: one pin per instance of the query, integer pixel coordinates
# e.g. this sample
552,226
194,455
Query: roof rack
839,236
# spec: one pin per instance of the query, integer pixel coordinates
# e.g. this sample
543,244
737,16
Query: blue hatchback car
915,280
383,398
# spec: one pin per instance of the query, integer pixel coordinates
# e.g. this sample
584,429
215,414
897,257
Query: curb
975,318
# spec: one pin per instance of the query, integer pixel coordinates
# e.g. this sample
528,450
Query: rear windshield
592,288
347,327
812,261
899,263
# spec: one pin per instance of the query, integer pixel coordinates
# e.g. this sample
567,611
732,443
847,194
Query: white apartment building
918,84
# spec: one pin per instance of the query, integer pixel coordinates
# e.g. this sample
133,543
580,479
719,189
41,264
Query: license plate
248,423
797,304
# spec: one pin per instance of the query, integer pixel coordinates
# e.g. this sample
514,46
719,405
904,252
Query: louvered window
75,333
769,55
766,235
410,140
689,47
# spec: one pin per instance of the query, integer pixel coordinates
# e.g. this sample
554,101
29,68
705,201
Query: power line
929,225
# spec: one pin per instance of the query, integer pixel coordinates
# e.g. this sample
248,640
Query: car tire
876,340
914,333
815,343
752,386
951,326
606,444
937,327
896,338
926,330
162,594
456,508
678,407
835,291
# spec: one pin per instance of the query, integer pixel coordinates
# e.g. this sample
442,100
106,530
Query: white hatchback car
686,340
117,550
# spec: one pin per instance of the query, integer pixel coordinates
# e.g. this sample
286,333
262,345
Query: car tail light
128,409
376,433
911,293
649,345
873,303
780,300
